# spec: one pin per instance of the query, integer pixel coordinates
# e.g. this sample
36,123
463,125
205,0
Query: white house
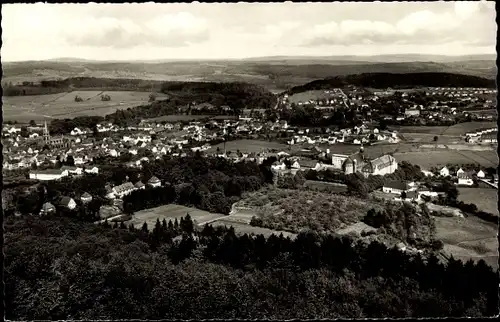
94,170
481,174
464,179
460,172
123,189
86,197
67,202
49,174
444,172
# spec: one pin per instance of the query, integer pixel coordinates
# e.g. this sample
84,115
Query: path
494,185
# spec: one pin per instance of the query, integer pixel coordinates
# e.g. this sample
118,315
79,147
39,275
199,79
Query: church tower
46,134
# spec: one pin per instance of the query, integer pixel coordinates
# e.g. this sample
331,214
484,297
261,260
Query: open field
434,130
435,158
178,118
249,146
309,95
486,199
63,105
468,238
463,128
241,228
171,212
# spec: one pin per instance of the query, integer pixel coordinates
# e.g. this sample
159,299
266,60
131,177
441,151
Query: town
250,161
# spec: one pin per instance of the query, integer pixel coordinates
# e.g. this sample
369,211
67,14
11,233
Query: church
53,142
359,163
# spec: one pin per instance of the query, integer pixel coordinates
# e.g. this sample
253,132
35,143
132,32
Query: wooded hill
406,80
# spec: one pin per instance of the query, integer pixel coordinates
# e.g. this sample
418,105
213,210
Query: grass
249,146
308,95
463,128
486,199
178,118
171,212
296,210
62,105
247,229
468,238
436,158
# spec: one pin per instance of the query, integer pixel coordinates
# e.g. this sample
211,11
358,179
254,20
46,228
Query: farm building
480,174
396,187
464,179
86,197
67,202
445,172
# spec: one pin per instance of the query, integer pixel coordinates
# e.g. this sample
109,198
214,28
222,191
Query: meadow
62,105
458,130
437,158
468,238
248,146
178,118
171,212
486,199
309,95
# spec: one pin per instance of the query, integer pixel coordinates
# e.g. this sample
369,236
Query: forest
59,268
395,81
208,183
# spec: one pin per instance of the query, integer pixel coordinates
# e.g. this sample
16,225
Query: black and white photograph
270,161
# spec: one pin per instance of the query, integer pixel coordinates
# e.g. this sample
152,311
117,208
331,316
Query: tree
70,161
435,138
32,123
152,97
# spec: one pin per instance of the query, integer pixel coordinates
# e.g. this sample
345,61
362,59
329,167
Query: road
494,185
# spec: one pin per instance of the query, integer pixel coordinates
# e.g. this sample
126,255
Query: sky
151,31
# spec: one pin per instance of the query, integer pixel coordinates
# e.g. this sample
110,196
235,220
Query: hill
278,73
402,80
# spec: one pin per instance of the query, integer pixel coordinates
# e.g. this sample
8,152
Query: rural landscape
287,186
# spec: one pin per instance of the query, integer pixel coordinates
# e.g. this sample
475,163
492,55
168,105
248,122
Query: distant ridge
341,58
400,80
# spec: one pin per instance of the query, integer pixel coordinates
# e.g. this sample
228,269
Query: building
396,187
464,179
123,189
47,208
445,172
359,163
481,174
86,197
154,182
412,112
139,185
67,202
49,174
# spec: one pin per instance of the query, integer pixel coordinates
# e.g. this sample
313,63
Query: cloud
421,27
169,30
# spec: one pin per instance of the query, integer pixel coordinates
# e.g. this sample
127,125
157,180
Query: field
437,158
178,118
486,199
309,95
63,105
469,238
249,146
454,130
247,229
171,212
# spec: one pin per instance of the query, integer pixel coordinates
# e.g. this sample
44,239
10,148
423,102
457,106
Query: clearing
171,212
468,238
63,105
486,199
443,157
249,146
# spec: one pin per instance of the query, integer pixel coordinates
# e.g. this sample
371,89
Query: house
460,172
47,208
154,182
445,172
306,164
396,187
412,112
139,185
47,175
481,174
86,197
123,189
94,170
464,179
72,170
67,202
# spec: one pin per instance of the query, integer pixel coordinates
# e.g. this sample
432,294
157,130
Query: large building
53,142
359,163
